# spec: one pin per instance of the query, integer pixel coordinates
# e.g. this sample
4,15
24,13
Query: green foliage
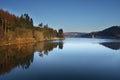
26,21
60,33
40,25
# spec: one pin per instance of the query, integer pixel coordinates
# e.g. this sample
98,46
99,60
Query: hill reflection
23,55
112,45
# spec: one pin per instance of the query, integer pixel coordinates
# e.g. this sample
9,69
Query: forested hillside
20,29
111,32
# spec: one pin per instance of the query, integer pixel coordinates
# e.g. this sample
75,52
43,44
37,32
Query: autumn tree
13,27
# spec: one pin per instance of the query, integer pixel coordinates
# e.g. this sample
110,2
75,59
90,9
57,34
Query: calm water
71,59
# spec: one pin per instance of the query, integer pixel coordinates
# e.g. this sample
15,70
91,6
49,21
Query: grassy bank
25,41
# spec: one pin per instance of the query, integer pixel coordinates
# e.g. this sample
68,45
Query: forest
20,29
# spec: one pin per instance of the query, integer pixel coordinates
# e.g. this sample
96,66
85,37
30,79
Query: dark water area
71,59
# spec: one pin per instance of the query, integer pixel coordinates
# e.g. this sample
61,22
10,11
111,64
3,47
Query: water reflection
15,55
112,45
45,47
23,55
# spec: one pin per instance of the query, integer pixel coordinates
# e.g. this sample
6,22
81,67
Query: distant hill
74,34
112,32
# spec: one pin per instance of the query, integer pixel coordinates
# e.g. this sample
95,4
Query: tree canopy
13,27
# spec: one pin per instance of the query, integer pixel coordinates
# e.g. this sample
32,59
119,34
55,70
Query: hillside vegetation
111,32
15,29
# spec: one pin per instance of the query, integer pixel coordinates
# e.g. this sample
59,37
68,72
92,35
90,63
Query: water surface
71,59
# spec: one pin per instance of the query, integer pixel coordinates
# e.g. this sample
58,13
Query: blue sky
70,15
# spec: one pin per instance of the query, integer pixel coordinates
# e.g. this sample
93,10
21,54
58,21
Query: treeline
21,29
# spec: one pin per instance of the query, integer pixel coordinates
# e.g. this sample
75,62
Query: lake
71,59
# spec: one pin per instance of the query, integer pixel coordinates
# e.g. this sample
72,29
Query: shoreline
26,41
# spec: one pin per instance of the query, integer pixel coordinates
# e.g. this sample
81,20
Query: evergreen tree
40,25
60,33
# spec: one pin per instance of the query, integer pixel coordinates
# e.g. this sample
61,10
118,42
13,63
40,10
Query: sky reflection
77,59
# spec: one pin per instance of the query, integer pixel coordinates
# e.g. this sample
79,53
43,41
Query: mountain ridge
111,32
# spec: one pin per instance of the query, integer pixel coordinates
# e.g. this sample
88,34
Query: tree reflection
23,55
45,47
15,55
60,45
